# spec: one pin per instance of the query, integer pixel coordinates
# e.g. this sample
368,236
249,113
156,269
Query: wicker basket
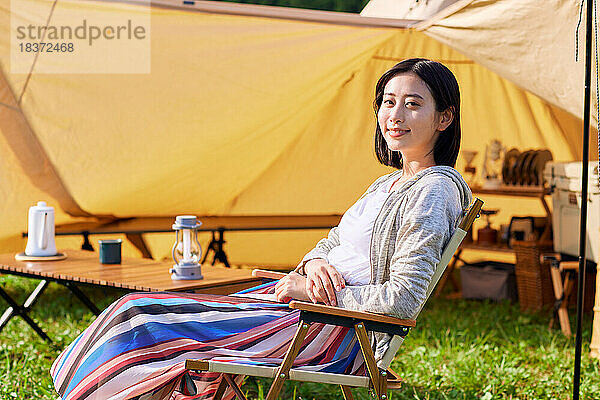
534,284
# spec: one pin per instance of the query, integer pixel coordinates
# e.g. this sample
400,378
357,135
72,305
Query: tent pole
584,195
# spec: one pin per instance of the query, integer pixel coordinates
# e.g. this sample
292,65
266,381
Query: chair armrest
342,317
263,273
569,265
342,312
553,258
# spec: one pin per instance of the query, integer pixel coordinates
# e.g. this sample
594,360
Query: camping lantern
186,250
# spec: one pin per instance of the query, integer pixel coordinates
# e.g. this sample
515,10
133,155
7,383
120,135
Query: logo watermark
80,37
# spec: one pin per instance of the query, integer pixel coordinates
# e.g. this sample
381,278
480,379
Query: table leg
81,296
15,309
216,245
212,245
86,245
595,344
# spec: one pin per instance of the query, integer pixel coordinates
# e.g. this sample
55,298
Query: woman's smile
397,133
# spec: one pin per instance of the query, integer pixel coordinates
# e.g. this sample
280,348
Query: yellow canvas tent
261,110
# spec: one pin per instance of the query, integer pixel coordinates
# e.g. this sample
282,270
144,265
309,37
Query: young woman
380,258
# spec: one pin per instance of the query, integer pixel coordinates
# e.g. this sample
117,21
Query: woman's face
408,119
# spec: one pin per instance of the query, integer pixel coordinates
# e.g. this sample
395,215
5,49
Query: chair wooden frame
562,289
378,378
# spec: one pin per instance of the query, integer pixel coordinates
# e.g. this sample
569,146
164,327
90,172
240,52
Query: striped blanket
137,347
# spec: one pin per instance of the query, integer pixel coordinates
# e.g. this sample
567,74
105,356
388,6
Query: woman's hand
291,286
322,281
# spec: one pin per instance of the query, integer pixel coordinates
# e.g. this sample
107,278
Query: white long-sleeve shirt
351,256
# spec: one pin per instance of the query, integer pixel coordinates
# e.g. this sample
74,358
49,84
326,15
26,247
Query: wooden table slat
133,274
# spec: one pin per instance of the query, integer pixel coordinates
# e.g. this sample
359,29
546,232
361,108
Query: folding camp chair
362,322
563,288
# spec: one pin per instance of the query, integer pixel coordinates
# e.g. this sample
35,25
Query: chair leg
563,314
563,318
346,392
393,380
221,389
365,347
286,365
557,285
383,384
561,294
236,389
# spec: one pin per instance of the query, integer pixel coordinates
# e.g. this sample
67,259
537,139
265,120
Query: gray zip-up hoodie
409,235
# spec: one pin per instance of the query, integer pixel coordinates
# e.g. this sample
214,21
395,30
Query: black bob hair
444,88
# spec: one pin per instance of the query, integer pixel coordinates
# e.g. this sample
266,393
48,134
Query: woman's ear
446,118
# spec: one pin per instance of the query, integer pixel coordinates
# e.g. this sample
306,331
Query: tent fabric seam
13,108
24,89
446,12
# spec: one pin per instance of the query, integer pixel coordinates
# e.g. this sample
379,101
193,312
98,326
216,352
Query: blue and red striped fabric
138,346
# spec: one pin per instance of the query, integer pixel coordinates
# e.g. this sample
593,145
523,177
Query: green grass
459,350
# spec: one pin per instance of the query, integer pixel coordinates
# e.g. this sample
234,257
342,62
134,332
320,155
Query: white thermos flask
40,232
